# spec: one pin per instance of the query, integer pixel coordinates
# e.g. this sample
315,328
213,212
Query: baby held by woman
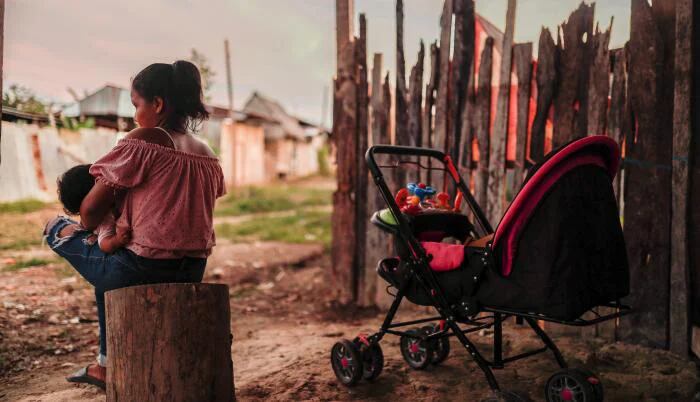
73,186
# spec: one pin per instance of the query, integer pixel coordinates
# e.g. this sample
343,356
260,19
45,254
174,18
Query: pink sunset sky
284,49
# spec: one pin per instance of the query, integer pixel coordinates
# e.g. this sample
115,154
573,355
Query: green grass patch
19,234
301,227
281,197
21,207
32,262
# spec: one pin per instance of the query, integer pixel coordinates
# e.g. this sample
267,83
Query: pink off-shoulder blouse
169,198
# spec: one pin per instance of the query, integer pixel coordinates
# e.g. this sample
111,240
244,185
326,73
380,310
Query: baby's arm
110,238
111,243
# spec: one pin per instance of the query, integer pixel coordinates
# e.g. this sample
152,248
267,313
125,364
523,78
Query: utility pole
229,81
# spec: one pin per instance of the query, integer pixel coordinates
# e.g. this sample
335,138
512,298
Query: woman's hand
96,205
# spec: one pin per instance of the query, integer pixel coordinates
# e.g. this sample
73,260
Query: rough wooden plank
570,103
363,293
344,16
547,78
377,246
462,60
694,213
482,119
618,104
147,364
401,112
343,215
430,89
616,129
415,100
647,177
679,289
466,158
442,99
497,157
599,82
522,60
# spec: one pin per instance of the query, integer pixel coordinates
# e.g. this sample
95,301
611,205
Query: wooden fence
641,95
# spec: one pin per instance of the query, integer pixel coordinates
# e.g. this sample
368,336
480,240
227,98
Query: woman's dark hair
73,186
180,86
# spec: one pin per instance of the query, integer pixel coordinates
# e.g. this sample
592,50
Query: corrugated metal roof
109,100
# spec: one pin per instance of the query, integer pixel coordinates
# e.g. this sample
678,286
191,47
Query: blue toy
420,190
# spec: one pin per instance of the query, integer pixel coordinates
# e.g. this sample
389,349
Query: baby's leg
69,240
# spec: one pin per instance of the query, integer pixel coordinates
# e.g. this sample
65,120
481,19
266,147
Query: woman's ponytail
180,86
187,94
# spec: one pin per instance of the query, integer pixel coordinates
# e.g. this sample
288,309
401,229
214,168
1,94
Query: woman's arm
96,205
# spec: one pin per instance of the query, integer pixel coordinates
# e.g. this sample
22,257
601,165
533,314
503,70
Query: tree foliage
205,70
23,99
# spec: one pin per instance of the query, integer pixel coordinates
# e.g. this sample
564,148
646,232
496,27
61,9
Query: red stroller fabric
595,150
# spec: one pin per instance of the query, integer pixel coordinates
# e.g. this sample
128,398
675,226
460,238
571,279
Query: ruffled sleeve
125,166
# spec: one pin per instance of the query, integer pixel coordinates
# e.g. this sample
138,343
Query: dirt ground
284,323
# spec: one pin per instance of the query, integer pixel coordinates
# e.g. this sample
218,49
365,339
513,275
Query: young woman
167,181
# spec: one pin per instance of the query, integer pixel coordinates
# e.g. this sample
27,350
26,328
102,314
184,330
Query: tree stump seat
169,342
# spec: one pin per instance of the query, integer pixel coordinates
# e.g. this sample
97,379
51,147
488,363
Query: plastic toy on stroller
557,254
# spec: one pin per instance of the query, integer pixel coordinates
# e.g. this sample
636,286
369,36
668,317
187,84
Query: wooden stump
169,342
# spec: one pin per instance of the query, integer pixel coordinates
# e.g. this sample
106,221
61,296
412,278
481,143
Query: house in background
291,144
110,107
266,143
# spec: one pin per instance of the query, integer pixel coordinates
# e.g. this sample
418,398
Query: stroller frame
451,324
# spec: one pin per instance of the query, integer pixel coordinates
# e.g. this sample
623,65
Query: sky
284,49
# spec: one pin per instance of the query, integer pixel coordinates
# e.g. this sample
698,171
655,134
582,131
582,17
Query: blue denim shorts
122,268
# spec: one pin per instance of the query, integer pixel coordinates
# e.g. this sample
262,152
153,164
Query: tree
23,99
205,70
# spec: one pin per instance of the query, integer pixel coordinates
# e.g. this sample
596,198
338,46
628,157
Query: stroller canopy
596,150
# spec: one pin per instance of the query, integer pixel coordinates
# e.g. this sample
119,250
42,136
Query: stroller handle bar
432,153
398,150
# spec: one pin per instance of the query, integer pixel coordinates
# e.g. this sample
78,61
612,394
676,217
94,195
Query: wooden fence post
570,103
694,176
430,89
647,184
679,298
174,357
618,104
462,61
377,243
599,82
415,100
547,79
482,119
344,134
522,55
442,116
361,199
401,112
497,158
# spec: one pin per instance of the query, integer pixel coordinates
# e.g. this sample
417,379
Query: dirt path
284,324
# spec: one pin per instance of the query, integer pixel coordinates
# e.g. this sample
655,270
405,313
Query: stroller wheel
415,351
440,347
346,362
572,385
594,381
372,361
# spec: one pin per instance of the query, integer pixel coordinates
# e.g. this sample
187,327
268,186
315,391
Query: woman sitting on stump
164,181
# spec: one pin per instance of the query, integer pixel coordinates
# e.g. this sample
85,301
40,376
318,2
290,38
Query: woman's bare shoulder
199,146
152,135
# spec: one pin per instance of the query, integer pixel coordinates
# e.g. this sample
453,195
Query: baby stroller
557,254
